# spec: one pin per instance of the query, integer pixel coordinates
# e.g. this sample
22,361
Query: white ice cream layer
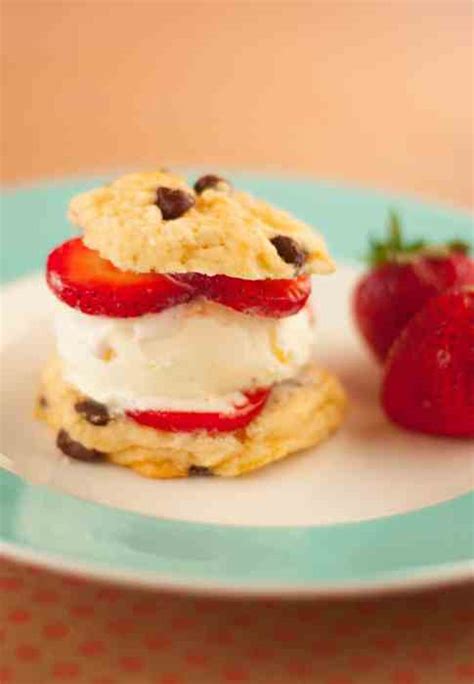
194,357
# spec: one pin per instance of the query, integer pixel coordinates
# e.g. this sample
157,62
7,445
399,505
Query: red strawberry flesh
81,278
429,377
268,298
387,297
403,278
181,421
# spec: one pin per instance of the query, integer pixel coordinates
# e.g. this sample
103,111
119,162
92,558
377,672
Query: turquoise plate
422,545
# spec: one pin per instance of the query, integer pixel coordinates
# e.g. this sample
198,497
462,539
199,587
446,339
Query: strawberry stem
394,230
395,249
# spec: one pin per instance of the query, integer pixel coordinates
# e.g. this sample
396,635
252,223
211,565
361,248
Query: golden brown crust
226,232
299,414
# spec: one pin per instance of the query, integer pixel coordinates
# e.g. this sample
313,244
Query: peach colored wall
380,93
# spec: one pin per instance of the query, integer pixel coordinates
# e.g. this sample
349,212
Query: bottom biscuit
298,414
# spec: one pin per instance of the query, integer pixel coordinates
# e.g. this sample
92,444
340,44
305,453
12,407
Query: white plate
368,470
372,509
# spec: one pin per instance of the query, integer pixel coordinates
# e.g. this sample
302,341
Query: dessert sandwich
184,333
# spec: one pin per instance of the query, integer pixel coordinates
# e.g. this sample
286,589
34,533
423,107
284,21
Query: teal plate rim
425,547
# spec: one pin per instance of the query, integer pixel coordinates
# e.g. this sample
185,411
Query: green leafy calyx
395,249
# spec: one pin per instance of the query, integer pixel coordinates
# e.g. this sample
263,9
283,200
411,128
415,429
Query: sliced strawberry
429,377
81,278
268,298
182,421
272,298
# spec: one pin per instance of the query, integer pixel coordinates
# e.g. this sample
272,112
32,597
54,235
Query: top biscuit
141,225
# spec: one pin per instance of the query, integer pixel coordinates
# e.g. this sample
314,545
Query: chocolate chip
42,401
289,250
293,382
94,412
199,471
211,181
76,450
173,202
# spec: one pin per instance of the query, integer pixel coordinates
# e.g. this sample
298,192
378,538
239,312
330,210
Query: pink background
380,93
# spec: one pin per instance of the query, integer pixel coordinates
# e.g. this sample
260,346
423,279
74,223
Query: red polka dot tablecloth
59,629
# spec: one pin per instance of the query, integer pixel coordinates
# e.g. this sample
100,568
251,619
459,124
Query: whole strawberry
428,383
403,277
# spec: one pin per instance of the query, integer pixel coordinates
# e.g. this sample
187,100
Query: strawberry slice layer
181,421
81,278
273,298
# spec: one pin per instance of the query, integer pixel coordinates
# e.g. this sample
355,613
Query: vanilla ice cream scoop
197,357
